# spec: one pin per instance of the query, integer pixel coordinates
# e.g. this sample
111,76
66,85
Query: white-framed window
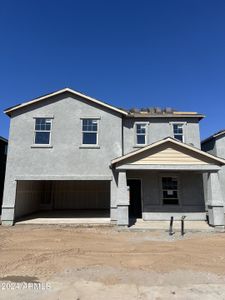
170,190
141,133
43,128
178,131
90,131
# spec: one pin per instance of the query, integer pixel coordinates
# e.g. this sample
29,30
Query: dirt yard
50,262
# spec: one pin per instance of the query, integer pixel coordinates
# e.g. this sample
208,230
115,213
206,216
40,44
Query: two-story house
3,155
68,151
215,144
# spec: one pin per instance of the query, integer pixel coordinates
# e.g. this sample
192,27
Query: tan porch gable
168,152
169,155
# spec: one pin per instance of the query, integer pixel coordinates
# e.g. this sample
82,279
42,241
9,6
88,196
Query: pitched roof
154,112
3,139
215,135
171,140
9,110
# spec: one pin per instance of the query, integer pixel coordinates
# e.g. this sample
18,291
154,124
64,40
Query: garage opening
62,199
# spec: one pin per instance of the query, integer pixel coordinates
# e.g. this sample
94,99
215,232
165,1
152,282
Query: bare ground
56,262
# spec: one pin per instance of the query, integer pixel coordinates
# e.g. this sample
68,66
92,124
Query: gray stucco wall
216,146
191,194
160,128
220,146
220,149
65,157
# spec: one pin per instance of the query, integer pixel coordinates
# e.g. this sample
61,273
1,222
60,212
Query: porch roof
168,154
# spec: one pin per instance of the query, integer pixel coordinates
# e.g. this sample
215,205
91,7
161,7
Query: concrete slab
55,221
66,217
140,224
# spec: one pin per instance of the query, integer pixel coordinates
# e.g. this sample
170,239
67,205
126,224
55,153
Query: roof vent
168,110
151,110
134,110
144,110
158,110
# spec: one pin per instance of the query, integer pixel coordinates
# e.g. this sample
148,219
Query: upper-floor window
43,128
170,190
178,131
89,131
141,133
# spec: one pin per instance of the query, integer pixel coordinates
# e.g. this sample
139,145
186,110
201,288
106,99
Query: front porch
169,179
164,194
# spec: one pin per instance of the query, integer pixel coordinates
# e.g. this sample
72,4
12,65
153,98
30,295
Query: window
141,130
170,190
89,132
178,132
42,131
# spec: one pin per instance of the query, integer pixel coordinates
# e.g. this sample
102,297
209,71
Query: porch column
8,205
215,200
123,200
113,198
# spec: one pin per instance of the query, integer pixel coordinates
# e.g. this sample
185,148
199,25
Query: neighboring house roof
214,136
3,139
173,141
9,110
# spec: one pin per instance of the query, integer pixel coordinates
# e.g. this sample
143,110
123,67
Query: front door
135,209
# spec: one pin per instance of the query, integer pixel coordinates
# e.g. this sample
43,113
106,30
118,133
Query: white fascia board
7,111
176,142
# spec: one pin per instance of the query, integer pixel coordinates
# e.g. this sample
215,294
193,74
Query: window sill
41,146
89,147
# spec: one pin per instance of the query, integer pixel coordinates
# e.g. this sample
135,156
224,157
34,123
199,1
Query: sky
143,53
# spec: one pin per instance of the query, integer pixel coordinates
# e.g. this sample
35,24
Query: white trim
174,168
219,134
89,146
170,175
97,134
174,141
183,128
41,146
49,145
135,133
7,111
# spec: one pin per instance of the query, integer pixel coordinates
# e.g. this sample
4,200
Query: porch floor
67,217
140,224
